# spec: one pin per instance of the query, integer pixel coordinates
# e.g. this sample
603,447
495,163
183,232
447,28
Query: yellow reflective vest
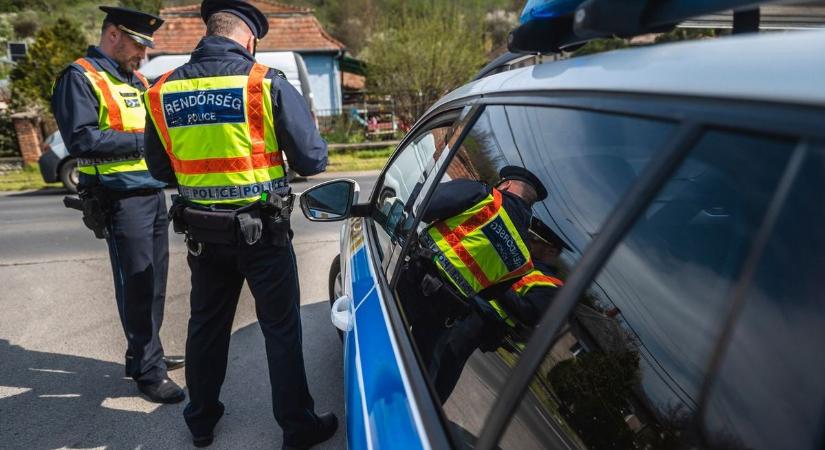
480,247
219,134
121,109
521,287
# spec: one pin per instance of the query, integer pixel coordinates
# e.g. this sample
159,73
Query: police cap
138,25
252,16
522,174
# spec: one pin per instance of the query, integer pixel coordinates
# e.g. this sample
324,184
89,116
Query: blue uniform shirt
75,107
306,151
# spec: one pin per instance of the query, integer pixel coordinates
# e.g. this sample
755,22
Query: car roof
785,67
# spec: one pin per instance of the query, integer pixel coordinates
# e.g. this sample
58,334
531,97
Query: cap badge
153,21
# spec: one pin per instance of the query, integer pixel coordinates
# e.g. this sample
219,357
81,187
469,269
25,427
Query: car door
510,134
381,412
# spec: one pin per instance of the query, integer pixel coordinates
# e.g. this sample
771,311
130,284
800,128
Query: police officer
100,114
219,126
478,234
513,313
476,240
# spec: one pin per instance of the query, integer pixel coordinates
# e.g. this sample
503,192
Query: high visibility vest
479,247
219,134
121,109
521,287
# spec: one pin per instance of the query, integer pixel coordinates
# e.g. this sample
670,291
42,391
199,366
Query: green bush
8,138
54,48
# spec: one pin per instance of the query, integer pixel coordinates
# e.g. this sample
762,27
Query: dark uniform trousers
218,274
138,250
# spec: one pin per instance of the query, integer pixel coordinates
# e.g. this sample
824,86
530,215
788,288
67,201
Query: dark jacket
295,129
456,196
75,107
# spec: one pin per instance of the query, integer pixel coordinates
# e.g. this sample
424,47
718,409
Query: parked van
290,63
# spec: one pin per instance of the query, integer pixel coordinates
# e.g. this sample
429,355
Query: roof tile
290,29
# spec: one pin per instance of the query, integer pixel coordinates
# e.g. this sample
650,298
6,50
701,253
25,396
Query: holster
95,207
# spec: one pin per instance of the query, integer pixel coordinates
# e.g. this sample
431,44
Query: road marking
550,425
59,396
130,404
11,391
51,371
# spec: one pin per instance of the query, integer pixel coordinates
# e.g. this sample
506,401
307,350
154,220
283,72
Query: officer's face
128,53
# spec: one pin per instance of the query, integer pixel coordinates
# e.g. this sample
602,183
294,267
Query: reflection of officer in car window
476,240
508,317
478,234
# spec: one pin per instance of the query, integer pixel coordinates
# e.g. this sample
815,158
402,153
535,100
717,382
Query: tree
418,54
53,49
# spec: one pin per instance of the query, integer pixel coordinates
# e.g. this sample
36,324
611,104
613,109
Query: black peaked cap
252,16
522,174
140,26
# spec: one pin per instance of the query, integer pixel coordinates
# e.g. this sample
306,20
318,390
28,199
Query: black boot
163,391
325,427
173,362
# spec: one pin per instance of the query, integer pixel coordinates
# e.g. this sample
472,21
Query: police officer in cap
219,126
99,111
476,242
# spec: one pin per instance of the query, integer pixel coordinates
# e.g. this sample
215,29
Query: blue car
685,183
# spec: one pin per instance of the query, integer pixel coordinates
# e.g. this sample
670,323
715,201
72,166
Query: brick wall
29,139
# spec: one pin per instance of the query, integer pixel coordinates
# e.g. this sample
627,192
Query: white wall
325,81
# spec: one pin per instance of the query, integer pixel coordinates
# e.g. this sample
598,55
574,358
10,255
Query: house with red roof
291,28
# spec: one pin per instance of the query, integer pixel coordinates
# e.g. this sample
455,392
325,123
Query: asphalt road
61,345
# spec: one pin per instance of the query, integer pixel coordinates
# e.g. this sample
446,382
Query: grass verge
21,180
355,160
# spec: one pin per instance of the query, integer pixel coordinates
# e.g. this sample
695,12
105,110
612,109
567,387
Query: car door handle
340,313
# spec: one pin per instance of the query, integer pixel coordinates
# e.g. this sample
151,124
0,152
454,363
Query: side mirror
329,202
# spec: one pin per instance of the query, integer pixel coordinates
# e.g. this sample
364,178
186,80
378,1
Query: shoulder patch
280,73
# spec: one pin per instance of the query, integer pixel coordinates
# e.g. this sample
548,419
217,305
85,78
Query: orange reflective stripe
462,253
115,118
537,278
255,107
223,165
142,79
479,219
454,237
156,110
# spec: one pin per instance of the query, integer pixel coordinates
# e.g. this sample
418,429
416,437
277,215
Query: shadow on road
41,192
50,400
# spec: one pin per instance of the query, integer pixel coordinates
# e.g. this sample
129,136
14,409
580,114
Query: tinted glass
467,347
628,366
401,182
328,202
770,392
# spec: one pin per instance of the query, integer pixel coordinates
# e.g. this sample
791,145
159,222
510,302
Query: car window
468,345
401,182
770,392
628,366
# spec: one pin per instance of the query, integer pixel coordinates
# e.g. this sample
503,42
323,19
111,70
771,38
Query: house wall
325,81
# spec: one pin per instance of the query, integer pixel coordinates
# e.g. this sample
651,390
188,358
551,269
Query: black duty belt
120,195
268,221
